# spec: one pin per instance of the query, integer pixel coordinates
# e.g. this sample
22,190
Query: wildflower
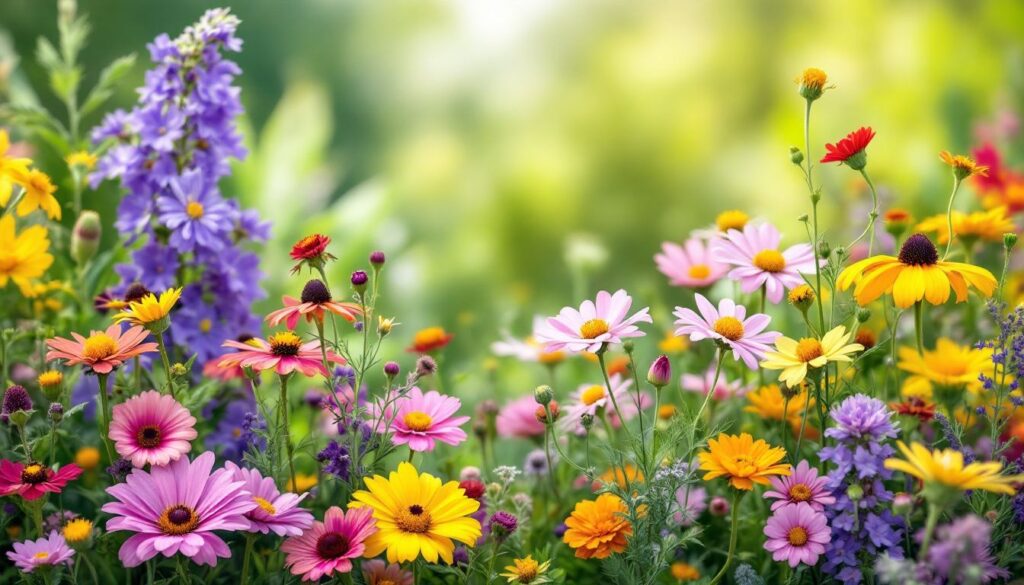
691,501
518,419
593,399
329,546
50,379
303,483
78,532
594,325
39,190
282,352
660,373
430,339
150,311
503,524
391,369
24,257
673,344
417,514
988,225
314,303
384,326
689,265
237,430
175,509
719,506
851,150
742,460
795,357
729,327
32,554
598,528
87,458
963,166
17,405
896,221
425,366
916,274
85,236
702,384
526,571
732,219
536,463
311,250
552,411
949,364
196,215
804,485
12,169
963,553
619,476
378,572
915,407
81,158
769,403
801,297
152,428
812,83
683,572
335,460
944,468
758,262
797,534
33,481
102,351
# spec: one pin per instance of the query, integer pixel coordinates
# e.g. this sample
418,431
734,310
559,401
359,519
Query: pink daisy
314,303
690,264
102,351
691,501
757,261
282,352
176,508
797,534
329,546
727,325
52,550
593,325
422,419
804,485
591,398
378,572
702,384
152,428
33,481
518,418
274,512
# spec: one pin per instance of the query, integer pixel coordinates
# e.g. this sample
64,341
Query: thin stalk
104,417
919,326
287,431
949,215
247,559
166,361
934,512
733,535
814,212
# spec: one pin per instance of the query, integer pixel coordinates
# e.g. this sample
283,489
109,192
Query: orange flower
742,460
963,166
102,351
598,528
311,250
430,339
314,303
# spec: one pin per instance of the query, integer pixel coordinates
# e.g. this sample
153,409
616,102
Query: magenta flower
518,418
689,265
593,325
33,481
422,419
176,508
797,534
804,485
702,384
152,428
757,261
274,512
52,550
728,325
329,546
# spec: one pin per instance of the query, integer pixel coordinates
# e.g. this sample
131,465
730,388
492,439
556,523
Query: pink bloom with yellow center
33,481
282,352
690,264
728,325
758,262
797,534
591,398
421,419
31,554
803,485
595,324
102,351
274,512
330,546
152,428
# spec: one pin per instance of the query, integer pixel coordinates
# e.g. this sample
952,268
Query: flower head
16,399
758,261
152,428
732,219
812,83
314,303
526,571
282,352
769,403
851,150
330,546
590,399
797,534
963,166
594,325
861,418
742,460
150,311
198,217
949,364
312,251
39,190
691,501
804,485
703,384
689,265
684,572
421,419
945,468
24,257
33,481
430,339
102,351
729,326
598,528
795,357
988,225
77,531
31,554
378,572
518,419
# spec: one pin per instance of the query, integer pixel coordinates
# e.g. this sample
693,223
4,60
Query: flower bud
896,221
503,524
377,259
384,326
469,473
824,249
587,420
719,506
17,406
56,412
543,395
660,373
795,155
51,383
425,366
391,369
855,492
801,297
85,236
359,280
628,346
542,412
1009,240
863,315
812,83
902,504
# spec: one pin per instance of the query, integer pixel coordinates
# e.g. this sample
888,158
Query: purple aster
961,551
195,214
154,265
861,417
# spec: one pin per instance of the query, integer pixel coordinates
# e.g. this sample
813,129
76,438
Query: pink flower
377,572
152,428
314,304
329,546
282,352
797,534
33,481
728,325
593,325
690,264
102,351
176,508
804,485
518,418
274,512
590,398
422,419
755,254
52,550
702,384
691,501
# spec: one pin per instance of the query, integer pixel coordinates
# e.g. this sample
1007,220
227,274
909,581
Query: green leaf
47,55
64,82
35,120
104,88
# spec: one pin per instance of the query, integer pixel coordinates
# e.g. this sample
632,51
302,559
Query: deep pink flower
518,418
282,352
804,485
797,534
690,264
757,261
152,428
34,480
422,419
52,550
729,324
593,325
274,512
329,546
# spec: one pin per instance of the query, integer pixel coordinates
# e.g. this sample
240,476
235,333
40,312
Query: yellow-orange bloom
948,364
768,403
963,166
150,308
24,257
978,225
598,528
742,460
945,468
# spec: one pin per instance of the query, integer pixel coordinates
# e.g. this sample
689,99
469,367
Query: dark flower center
149,436
316,292
331,545
33,473
177,520
918,250
135,293
284,344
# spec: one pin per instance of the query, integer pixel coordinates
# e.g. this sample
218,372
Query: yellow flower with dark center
978,225
77,531
768,403
795,357
948,364
742,460
598,528
24,257
945,468
963,166
150,308
526,571
417,514
731,220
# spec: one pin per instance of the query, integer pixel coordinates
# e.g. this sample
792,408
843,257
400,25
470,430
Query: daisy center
417,421
808,349
265,505
41,556
918,250
593,328
99,346
284,344
592,395
699,271
331,545
770,261
315,292
205,325
526,571
33,473
177,520
149,436
729,328
8,262
797,536
731,220
415,519
800,492
194,209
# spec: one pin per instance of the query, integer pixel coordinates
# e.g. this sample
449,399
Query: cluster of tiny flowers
1007,353
334,459
169,153
240,429
961,554
952,439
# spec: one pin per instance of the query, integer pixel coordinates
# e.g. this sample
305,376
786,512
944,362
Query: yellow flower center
99,346
41,555
265,505
729,328
731,220
205,325
33,473
284,343
814,78
808,349
77,530
526,570
769,261
177,520
799,493
8,262
417,421
699,271
414,519
50,378
797,536
593,328
592,395
194,209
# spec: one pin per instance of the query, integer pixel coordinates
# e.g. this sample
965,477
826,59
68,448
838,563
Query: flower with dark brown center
33,473
177,520
332,545
149,436
918,250
315,292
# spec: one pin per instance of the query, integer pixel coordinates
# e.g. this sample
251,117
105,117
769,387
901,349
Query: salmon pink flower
593,325
689,265
152,428
758,262
422,419
729,326
282,352
315,301
32,481
274,512
102,351
329,546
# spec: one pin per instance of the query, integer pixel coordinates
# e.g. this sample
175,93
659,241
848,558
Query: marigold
430,339
598,528
812,83
945,468
24,257
77,531
742,460
795,357
963,166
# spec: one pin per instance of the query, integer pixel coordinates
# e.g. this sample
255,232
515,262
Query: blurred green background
473,140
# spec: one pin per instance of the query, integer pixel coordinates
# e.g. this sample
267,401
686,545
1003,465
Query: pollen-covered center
99,346
592,395
194,209
33,473
797,536
331,545
41,556
284,344
315,292
808,349
731,220
729,328
593,328
205,325
177,520
918,250
799,492
699,271
413,519
265,505
149,436
770,261
417,421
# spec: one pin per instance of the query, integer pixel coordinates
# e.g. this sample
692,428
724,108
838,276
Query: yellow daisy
768,403
978,225
945,468
795,357
39,190
150,308
417,515
963,166
24,257
10,168
81,158
948,364
526,571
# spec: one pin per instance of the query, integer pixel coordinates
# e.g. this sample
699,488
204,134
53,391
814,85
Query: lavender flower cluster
169,153
961,554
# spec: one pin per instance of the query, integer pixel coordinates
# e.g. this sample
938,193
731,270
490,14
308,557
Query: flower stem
949,215
104,417
714,385
287,432
166,361
919,326
246,560
547,453
934,511
814,213
872,216
733,535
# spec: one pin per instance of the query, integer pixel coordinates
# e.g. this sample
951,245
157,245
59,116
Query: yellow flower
50,378
526,571
742,460
11,169
673,344
945,468
768,403
794,357
917,387
684,572
801,296
812,83
39,191
731,220
916,274
598,528
617,475
963,166
77,531
948,364
984,225
81,158
23,257
303,482
87,458
416,515
150,308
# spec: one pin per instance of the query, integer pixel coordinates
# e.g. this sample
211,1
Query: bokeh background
512,157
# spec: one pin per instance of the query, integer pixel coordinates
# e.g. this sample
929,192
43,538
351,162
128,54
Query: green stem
733,536
37,515
949,215
287,432
547,453
919,326
870,230
247,559
711,390
104,417
166,361
814,213
934,512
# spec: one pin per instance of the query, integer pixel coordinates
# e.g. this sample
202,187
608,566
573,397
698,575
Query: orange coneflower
598,528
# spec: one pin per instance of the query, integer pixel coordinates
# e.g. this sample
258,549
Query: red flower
914,407
311,249
473,488
429,339
33,481
854,143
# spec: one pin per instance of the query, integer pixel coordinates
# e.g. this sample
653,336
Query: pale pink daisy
274,512
591,398
32,554
690,264
702,384
757,260
803,485
595,324
728,325
282,352
797,534
152,428
518,418
329,547
421,419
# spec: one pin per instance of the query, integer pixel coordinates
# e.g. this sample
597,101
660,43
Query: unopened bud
855,493
1009,240
863,315
56,412
795,155
824,249
543,395
85,236
660,373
